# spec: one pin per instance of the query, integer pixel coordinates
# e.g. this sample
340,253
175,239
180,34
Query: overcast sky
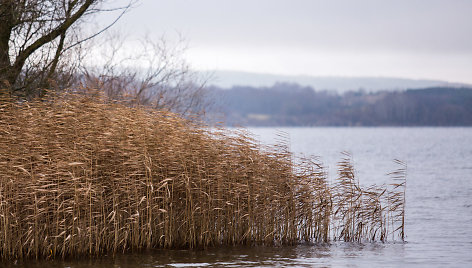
428,39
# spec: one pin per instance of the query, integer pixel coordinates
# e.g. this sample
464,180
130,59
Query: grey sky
405,38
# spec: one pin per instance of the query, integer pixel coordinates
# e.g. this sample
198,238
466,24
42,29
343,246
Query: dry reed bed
84,177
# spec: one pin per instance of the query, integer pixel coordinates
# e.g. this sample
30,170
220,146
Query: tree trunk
7,77
10,69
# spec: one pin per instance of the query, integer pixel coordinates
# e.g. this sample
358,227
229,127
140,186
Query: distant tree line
293,105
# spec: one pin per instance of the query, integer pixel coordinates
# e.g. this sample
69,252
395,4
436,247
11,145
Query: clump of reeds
371,212
80,176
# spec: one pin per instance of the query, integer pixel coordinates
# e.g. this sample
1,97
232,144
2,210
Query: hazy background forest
288,104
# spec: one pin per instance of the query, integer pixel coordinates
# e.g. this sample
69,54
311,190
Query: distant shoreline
228,79
292,105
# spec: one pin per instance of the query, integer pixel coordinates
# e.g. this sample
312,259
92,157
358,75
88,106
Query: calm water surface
438,215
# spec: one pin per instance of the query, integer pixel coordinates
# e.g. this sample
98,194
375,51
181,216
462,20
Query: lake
438,204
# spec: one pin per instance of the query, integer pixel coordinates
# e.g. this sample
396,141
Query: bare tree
41,47
154,74
35,37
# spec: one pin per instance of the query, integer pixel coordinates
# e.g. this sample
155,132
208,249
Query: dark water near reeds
438,212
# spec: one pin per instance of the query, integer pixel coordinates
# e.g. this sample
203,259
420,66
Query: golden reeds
80,176
367,212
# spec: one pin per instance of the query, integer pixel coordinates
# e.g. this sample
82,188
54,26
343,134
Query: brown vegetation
84,177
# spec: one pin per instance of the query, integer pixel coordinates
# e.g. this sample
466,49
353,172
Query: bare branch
62,28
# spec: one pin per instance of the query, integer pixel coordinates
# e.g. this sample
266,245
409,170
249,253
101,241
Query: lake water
438,208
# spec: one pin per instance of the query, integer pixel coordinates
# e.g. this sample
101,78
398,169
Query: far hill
295,105
228,79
